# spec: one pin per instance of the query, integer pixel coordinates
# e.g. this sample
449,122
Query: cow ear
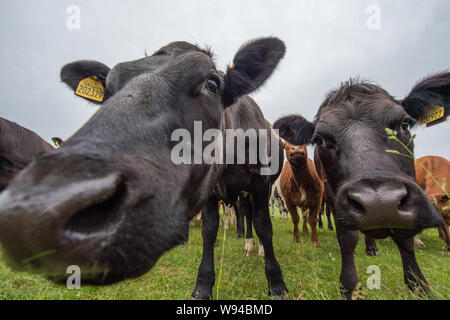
295,129
73,73
431,92
252,66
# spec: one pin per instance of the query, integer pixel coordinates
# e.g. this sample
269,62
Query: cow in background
302,187
18,147
276,201
439,168
244,180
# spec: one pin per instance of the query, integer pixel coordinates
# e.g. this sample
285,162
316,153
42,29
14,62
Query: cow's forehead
167,55
181,47
361,103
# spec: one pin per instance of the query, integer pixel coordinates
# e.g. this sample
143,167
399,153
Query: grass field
309,273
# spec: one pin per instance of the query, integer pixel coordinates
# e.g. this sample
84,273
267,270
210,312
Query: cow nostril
403,202
98,218
355,205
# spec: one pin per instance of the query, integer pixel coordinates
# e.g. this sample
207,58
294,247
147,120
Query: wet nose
297,154
387,204
48,230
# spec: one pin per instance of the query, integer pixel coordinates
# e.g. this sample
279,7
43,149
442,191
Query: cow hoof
419,243
249,246
372,252
261,252
316,245
281,294
199,294
284,296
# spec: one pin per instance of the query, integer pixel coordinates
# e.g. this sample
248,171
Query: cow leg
295,219
371,247
305,220
272,207
312,220
240,228
263,228
350,285
328,211
210,226
413,277
320,215
280,208
261,250
418,242
444,235
249,241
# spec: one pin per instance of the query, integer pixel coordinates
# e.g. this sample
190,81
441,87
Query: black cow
246,182
111,199
370,189
18,147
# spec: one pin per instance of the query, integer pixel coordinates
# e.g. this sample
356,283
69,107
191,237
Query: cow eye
212,85
317,140
407,123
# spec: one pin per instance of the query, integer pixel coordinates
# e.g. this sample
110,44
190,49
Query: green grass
309,273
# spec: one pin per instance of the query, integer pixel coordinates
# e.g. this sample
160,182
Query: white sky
327,43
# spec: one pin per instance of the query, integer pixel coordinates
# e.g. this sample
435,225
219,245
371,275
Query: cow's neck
302,173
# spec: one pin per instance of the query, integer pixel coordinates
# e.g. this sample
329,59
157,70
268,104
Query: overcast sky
327,43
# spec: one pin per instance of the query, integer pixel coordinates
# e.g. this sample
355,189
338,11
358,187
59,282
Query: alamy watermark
374,20
238,147
74,280
73,21
374,280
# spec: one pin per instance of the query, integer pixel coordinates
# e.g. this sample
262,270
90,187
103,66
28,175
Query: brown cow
440,169
18,147
301,187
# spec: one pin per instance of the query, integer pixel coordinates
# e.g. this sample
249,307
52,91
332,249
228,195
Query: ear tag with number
91,88
435,113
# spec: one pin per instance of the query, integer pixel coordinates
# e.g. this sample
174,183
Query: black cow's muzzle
383,207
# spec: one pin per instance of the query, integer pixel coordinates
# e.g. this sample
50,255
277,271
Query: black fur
295,129
252,65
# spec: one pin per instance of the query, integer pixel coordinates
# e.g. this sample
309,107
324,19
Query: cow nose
380,206
69,224
297,154
385,203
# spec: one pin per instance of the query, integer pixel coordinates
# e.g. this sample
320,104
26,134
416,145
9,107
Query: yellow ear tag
434,114
91,88
57,143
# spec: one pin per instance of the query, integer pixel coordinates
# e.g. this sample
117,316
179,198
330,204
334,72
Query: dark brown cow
253,189
301,187
439,168
18,147
370,189
113,197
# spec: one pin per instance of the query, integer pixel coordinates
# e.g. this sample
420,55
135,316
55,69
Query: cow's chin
108,277
395,233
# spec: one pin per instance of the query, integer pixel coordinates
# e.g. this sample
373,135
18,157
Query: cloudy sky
327,43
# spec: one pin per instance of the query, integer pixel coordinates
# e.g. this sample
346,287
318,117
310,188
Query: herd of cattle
110,200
